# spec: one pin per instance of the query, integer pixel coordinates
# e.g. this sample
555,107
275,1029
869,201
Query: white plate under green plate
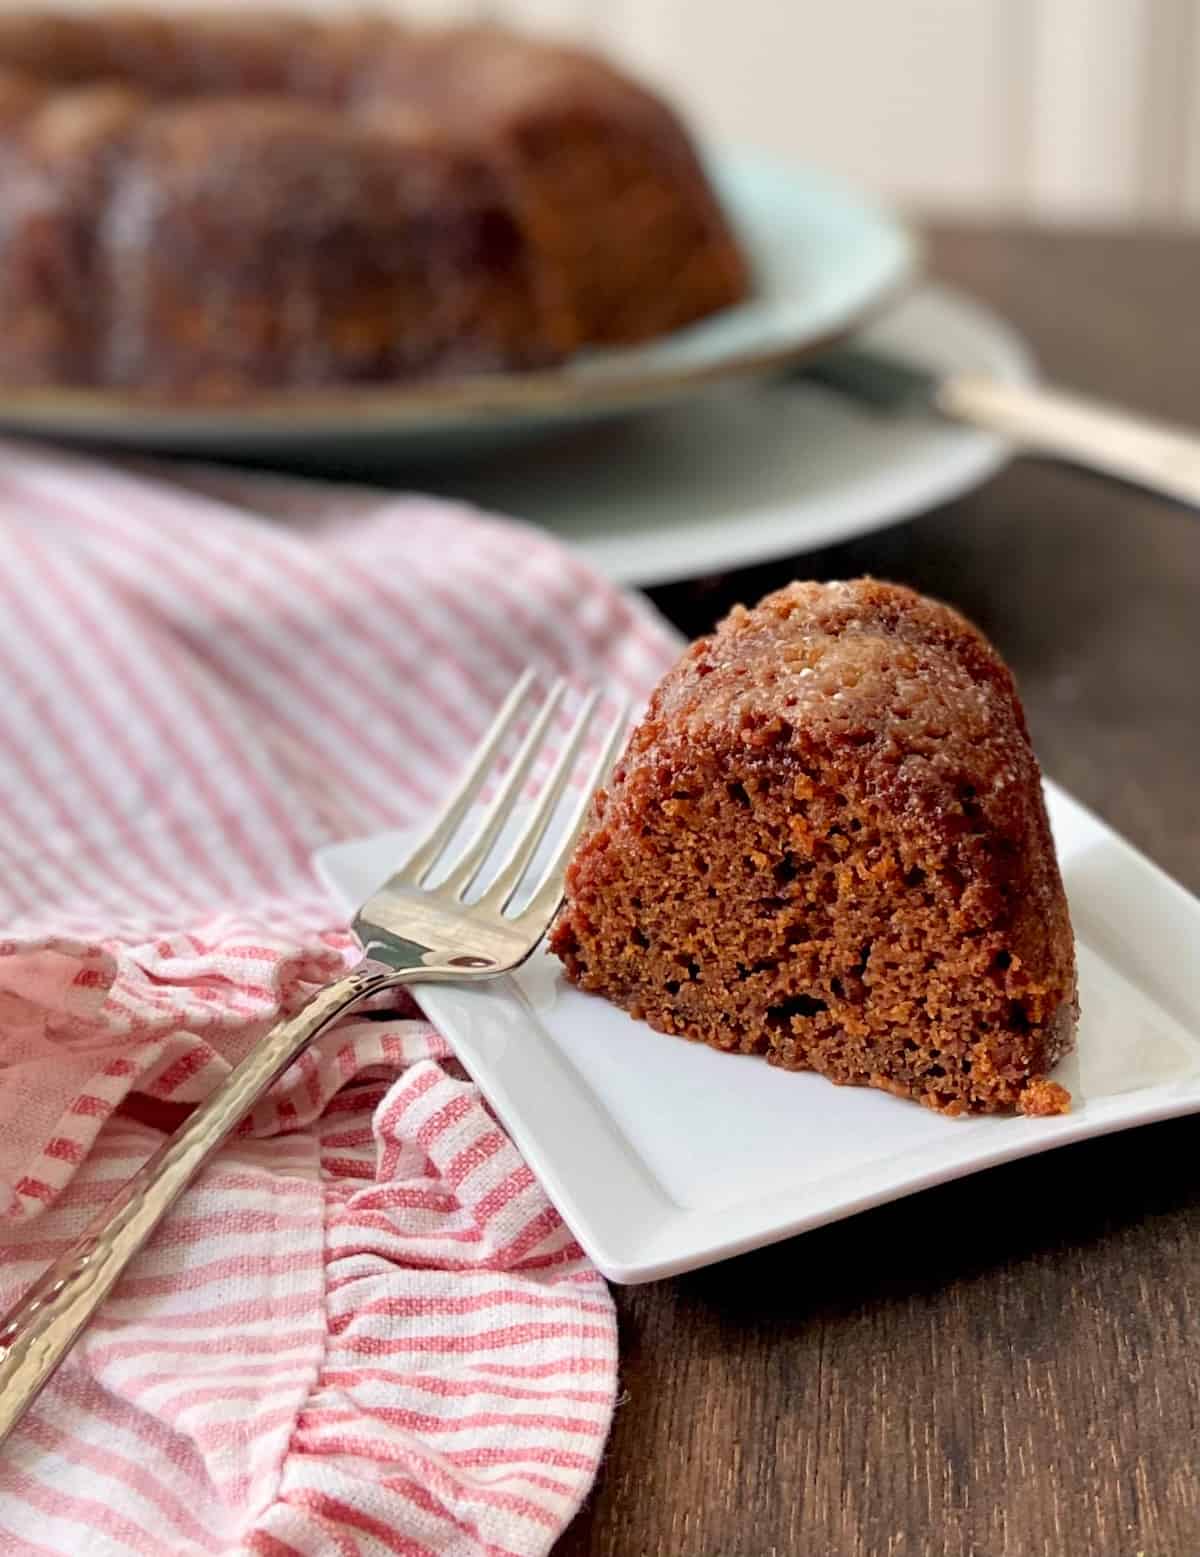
823,257
752,471
663,1155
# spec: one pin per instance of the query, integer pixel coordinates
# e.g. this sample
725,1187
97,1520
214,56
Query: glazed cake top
882,679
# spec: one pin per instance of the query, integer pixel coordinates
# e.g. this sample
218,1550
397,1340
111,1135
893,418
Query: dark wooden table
1008,1366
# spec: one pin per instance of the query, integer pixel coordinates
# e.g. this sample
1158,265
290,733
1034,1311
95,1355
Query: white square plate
663,1155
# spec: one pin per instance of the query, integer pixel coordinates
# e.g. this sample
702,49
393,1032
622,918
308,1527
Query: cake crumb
1042,1098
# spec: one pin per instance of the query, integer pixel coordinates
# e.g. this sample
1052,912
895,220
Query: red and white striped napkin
364,1330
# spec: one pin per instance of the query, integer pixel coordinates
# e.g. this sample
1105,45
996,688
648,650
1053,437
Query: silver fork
410,933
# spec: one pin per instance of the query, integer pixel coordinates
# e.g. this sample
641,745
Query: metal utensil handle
1149,454
40,1329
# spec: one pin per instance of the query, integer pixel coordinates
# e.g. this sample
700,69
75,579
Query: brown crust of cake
543,201
641,236
827,843
58,152
356,253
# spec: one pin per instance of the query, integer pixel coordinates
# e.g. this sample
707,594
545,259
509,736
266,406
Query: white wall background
1066,110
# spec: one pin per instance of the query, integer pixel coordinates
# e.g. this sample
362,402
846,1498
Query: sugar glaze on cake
827,844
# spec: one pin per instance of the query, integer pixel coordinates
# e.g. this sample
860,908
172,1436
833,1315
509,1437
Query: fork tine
417,866
510,875
468,866
548,895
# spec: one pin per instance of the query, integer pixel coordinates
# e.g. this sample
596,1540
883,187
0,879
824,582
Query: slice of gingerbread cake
826,843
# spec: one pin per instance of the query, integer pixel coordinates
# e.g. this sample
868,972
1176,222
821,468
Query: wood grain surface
1008,1366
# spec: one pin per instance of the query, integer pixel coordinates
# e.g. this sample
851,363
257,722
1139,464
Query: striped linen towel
364,1329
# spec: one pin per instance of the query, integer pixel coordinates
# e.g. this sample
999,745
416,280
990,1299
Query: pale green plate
824,258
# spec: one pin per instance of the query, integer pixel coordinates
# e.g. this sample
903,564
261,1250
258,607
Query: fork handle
1099,437
40,1329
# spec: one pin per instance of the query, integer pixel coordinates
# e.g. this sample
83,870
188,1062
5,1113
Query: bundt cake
204,204
826,843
